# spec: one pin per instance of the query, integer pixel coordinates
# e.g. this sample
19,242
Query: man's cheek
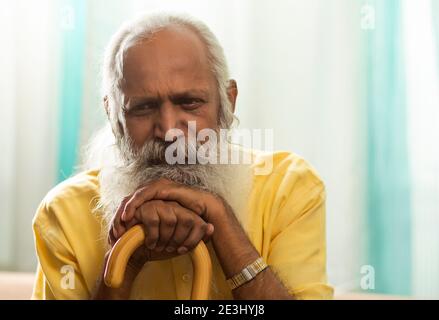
139,130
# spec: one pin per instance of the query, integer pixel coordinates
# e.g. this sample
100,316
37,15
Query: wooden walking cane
133,239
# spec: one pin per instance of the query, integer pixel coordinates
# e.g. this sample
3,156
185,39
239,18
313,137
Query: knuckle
152,221
198,206
188,222
170,221
176,240
127,207
163,193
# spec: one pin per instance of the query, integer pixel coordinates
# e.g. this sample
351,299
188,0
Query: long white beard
126,171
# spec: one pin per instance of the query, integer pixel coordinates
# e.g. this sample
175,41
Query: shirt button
186,277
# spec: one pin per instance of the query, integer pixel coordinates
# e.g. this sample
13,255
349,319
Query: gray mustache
154,151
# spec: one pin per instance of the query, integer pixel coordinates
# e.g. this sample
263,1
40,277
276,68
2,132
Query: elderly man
161,73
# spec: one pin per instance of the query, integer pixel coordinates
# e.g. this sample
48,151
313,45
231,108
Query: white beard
117,180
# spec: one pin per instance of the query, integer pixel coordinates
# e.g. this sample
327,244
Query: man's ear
107,111
232,93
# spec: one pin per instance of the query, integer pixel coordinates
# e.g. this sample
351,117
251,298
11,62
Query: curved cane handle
133,239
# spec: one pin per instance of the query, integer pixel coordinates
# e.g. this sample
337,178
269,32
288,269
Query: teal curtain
388,177
72,71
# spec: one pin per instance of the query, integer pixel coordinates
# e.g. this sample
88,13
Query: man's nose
167,119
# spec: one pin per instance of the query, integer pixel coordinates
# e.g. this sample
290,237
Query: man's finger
151,221
209,232
185,223
185,196
139,197
193,239
168,222
118,228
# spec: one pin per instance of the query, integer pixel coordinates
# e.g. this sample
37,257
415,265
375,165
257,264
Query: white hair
142,28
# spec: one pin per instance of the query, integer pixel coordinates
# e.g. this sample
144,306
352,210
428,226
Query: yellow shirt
285,223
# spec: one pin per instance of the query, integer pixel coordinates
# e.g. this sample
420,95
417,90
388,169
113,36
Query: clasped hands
176,218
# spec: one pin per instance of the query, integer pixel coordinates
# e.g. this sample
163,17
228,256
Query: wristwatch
247,274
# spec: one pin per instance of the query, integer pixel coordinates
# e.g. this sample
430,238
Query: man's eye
191,103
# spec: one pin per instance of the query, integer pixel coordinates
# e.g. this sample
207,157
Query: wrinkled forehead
174,58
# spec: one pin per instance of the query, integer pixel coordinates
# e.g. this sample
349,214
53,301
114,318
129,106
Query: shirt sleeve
58,275
297,249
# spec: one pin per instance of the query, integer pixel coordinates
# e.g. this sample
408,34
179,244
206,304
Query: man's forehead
174,58
172,45
202,92
169,85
